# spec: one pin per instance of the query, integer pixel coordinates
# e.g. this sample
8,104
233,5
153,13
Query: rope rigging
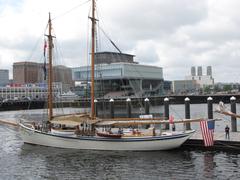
70,10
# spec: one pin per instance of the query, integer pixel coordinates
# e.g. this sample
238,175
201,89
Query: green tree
207,89
227,88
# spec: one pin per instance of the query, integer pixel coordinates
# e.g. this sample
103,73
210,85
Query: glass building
117,75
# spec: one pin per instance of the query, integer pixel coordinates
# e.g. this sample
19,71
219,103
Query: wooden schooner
95,133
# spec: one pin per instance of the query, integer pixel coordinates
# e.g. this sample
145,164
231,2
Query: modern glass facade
127,78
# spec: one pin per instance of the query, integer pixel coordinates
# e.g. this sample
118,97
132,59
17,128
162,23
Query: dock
220,143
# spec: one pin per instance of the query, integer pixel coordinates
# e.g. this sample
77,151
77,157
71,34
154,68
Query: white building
32,91
202,80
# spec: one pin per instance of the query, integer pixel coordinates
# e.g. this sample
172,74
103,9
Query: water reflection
209,165
107,164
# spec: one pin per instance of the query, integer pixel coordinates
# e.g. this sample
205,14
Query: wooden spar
50,74
228,113
8,122
118,122
92,60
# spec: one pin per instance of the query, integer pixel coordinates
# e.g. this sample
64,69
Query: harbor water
23,161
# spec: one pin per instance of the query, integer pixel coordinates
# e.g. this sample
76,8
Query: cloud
172,34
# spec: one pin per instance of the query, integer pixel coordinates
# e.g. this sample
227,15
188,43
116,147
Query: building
118,75
202,80
209,71
31,72
112,57
167,86
4,77
30,91
184,86
26,72
199,70
63,74
193,71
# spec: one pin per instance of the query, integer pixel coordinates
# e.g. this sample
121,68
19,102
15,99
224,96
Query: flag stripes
207,128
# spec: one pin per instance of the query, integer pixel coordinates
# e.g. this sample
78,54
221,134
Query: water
21,161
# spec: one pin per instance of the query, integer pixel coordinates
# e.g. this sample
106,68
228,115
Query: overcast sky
173,34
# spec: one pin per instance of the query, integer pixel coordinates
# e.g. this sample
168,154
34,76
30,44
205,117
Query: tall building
193,71
199,70
4,77
26,72
209,71
31,72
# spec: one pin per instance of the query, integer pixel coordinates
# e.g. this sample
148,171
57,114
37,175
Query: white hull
150,143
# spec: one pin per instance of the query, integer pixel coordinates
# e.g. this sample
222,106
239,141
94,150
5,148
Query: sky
172,34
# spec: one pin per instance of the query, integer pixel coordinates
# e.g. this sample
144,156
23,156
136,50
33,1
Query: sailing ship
86,131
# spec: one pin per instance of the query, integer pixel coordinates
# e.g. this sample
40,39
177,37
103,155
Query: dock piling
96,107
187,112
166,111
146,105
210,107
111,101
233,109
129,109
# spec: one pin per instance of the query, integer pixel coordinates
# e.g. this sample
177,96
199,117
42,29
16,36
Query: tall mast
92,60
50,74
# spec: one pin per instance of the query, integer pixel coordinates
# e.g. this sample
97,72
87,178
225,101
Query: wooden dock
220,142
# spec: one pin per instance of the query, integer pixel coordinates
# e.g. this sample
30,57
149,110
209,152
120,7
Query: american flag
207,128
171,118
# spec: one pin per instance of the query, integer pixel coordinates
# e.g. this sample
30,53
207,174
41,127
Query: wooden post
129,110
111,108
187,112
146,103
233,119
166,111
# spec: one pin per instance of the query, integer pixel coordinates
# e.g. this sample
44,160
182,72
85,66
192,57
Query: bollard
146,103
111,108
210,107
129,109
187,112
233,119
166,111
96,107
